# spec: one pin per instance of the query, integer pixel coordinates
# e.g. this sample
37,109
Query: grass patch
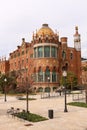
78,104
30,117
22,98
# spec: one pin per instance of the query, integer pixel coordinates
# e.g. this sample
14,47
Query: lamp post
65,100
48,78
5,80
27,95
27,91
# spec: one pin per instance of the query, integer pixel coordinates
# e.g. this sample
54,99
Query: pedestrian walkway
74,119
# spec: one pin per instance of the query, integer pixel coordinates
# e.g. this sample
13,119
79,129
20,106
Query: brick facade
84,72
46,56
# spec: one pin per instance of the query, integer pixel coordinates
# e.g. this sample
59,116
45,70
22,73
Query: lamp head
64,73
5,79
48,78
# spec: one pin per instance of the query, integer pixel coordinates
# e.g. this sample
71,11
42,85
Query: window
47,51
35,53
22,62
26,60
26,51
19,65
40,51
14,55
47,74
54,75
40,75
15,64
22,52
53,51
31,55
18,53
63,54
71,55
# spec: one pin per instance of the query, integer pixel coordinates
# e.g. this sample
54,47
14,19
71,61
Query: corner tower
77,40
77,46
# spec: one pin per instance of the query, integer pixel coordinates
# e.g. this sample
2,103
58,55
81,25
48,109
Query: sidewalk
74,119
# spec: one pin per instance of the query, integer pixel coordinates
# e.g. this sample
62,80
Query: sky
20,18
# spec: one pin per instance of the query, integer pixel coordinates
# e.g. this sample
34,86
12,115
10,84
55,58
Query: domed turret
45,35
45,30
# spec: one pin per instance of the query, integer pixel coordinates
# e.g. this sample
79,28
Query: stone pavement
74,119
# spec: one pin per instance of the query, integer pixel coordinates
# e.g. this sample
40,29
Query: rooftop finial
23,39
45,25
76,28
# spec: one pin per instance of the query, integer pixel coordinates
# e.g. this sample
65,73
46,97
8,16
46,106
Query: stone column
36,77
50,51
51,77
43,51
56,77
36,52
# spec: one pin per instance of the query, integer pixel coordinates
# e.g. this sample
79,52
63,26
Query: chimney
64,40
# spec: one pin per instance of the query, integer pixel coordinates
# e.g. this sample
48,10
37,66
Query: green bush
30,117
79,104
22,98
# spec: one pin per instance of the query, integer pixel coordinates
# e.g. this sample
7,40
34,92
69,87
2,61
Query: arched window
40,75
40,89
63,54
47,89
54,75
47,74
66,65
71,55
33,75
47,51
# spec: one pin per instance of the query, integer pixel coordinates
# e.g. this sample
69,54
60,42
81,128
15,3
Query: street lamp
5,80
27,95
27,92
48,78
65,75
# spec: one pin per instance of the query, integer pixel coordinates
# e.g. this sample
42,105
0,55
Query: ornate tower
77,44
46,58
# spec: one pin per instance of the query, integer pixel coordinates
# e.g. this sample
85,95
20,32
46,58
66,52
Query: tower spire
77,44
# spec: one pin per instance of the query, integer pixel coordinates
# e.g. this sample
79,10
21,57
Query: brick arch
54,68
47,67
65,66
39,68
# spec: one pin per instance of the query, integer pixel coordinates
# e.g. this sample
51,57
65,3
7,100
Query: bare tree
26,81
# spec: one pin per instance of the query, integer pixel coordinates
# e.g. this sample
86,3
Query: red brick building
46,57
4,65
84,72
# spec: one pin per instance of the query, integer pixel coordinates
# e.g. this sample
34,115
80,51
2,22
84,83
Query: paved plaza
74,119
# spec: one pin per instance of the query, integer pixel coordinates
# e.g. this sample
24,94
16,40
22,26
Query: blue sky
19,18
